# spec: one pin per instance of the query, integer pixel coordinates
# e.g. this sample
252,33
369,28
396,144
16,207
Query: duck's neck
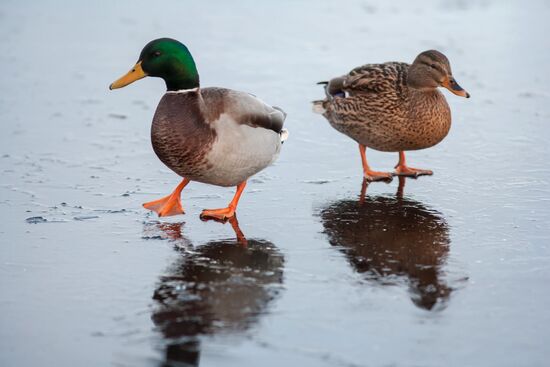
427,92
181,73
182,80
429,95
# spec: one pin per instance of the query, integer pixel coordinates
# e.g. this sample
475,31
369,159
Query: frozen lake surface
447,270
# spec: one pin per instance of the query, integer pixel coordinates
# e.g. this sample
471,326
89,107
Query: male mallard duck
212,135
392,107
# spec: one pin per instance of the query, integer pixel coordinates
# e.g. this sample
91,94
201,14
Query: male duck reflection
221,287
392,107
211,135
390,238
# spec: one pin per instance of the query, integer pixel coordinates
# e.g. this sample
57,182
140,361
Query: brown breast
428,121
180,133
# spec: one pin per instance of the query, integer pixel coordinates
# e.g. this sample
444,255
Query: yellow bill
136,73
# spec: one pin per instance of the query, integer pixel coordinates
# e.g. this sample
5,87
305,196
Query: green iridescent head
165,58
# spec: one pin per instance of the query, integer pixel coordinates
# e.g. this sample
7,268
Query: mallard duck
215,136
392,107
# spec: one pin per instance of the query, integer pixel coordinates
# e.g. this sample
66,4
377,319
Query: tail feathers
319,107
280,110
284,135
323,83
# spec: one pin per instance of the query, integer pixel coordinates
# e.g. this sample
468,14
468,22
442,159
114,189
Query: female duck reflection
391,238
220,287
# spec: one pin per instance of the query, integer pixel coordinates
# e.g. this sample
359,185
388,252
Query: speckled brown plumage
382,112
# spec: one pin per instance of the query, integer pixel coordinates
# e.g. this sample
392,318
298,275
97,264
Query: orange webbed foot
225,213
168,205
371,176
411,172
219,214
401,169
165,207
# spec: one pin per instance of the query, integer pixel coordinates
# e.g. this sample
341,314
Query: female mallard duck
212,135
392,107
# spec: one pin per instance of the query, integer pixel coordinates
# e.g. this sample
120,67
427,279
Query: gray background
77,289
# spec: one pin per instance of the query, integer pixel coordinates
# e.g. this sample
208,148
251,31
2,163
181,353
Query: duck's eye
432,66
156,54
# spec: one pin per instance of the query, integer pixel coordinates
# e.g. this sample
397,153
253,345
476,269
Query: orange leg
368,173
168,205
403,170
228,212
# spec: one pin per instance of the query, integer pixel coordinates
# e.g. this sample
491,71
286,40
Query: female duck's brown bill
451,84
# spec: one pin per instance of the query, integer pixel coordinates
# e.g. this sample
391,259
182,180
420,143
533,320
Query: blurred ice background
82,264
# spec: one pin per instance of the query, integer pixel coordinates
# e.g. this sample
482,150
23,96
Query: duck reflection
217,288
391,239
